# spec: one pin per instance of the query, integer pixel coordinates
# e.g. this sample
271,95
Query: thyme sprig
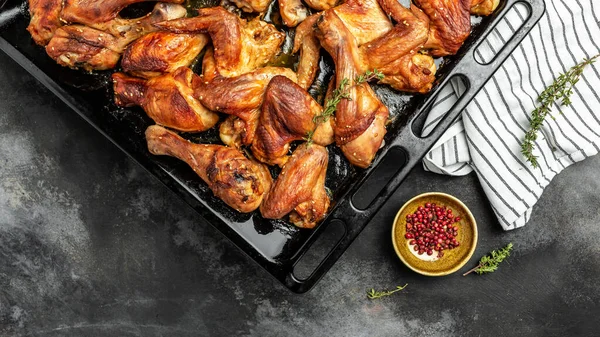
341,92
490,262
372,294
561,89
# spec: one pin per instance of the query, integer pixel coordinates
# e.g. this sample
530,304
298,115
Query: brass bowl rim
460,263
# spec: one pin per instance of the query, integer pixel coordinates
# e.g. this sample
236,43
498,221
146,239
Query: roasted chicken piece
45,19
162,52
364,19
360,117
249,6
449,25
484,7
100,47
307,43
321,5
292,12
167,99
300,188
288,113
239,46
396,54
240,182
89,12
240,96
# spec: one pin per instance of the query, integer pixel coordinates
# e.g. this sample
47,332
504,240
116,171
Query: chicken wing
287,114
300,188
364,19
162,52
45,19
240,182
484,7
449,25
239,46
307,43
360,117
100,47
249,6
292,12
240,96
321,5
89,12
167,99
396,55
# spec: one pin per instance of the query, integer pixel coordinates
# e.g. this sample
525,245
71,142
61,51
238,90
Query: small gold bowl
453,259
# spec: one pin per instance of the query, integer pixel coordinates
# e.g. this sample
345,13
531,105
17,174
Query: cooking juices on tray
269,111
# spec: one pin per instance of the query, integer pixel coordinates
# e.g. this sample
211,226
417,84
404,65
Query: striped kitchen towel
487,138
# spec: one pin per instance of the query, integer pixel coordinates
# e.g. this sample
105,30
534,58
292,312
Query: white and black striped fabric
487,138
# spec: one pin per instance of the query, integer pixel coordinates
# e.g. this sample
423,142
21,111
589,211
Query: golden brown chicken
449,25
292,12
396,55
321,5
288,113
239,46
89,12
360,117
167,99
364,19
45,19
240,182
300,188
484,7
249,6
100,47
306,42
162,52
240,96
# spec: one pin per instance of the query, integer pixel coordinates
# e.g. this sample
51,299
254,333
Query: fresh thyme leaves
341,92
368,76
561,89
372,294
490,262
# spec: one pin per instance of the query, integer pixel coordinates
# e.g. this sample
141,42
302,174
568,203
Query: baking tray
275,244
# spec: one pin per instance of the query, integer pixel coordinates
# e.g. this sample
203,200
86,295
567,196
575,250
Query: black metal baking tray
274,244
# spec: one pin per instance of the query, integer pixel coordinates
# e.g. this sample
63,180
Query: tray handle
475,75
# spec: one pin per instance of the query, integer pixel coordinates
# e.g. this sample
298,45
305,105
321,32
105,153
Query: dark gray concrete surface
92,245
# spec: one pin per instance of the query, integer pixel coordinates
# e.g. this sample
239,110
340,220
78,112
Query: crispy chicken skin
239,46
449,25
90,12
321,5
292,12
240,96
484,7
287,114
249,6
364,19
240,182
162,52
45,19
306,42
167,99
396,55
100,47
360,118
300,188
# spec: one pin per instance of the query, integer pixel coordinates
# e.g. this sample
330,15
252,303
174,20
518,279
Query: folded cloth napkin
487,137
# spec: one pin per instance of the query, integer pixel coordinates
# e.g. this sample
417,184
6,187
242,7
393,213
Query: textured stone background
92,245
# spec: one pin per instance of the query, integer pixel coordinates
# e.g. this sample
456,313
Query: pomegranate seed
408,236
457,219
415,248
